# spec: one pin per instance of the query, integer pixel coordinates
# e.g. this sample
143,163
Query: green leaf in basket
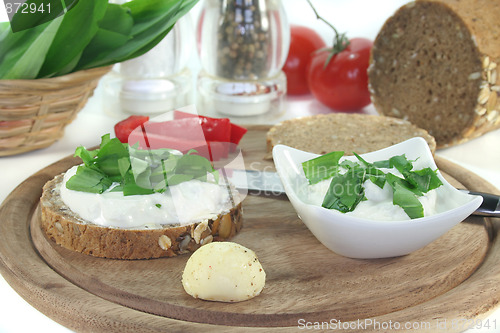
114,31
4,30
183,8
26,62
118,19
35,12
92,34
70,66
152,21
77,29
15,44
146,15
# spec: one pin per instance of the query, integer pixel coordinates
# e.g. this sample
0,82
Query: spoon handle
490,205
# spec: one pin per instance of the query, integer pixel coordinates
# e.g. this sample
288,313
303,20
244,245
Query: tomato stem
340,41
321,18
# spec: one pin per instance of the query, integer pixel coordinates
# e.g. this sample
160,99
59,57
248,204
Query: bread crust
67,229
360,133
434,63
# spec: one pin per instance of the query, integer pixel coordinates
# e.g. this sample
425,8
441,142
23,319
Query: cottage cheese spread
183,204
379,204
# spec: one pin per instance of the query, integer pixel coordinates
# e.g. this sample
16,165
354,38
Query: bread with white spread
434,63
69,230
360,133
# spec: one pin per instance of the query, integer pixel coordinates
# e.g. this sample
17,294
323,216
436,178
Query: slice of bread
359,133
434,63
70,231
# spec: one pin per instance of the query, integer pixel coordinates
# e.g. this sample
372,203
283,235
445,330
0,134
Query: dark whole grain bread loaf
359,133
69,230
434,63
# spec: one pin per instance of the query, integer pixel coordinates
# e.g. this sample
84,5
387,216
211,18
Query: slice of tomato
211,150
212,125
212,138
237,132
193,128
126,126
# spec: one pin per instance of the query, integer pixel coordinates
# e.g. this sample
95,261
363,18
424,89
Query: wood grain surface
453,278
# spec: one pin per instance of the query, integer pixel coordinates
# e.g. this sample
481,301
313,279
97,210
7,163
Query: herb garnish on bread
127,203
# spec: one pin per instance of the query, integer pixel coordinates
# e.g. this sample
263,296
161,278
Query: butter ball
224,272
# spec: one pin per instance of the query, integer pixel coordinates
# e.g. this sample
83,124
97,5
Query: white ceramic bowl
357,237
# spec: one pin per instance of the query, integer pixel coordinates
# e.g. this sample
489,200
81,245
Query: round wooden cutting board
445,283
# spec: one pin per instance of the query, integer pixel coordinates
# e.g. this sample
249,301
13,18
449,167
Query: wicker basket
33,113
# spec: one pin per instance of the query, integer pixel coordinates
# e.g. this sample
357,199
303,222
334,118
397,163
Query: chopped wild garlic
346,188
135,171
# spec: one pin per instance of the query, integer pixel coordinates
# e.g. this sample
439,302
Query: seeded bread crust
434,63
360,133
68,230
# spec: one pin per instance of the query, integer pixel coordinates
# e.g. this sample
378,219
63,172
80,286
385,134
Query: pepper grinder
243,45
156,82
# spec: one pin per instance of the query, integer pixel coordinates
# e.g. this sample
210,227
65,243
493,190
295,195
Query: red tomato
212,125
218,137
343,84
303,42
126,126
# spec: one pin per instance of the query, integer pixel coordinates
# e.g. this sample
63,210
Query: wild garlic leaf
401,163
332,196
113,147
153,19
39,13
195,165
118,19
373,173
407,200
124,166
87,156
88,36
88,180
113,32
424,180
14,45
77,29
148,14
378,180
393,179
348,164
384,164
370,168
104,140
108,156
130,187
27,65
176,179
137,171
345,191
216,176
322,167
